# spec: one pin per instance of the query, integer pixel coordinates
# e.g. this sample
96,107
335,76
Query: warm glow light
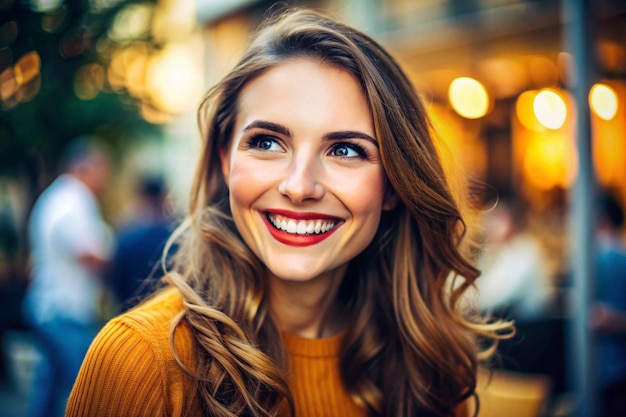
8,85
174,79
543,71
131,23
468,98
550,109
525,113
548,162
136,74
127,67
27,68
174,19
154,116
603,101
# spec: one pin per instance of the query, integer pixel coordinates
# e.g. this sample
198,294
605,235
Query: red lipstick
293,239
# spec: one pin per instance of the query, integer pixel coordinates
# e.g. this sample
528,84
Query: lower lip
293,239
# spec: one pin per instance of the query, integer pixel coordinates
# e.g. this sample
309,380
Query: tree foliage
40,115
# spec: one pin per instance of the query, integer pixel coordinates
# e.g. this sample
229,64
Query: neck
308,309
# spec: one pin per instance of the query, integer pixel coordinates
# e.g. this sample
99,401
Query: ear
391,199
225,163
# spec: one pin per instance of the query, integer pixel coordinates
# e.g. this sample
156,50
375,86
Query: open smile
300,229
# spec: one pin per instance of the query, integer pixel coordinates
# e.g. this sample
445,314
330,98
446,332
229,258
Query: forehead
304,88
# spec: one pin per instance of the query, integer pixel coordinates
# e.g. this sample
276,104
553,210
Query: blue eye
348,150
264,143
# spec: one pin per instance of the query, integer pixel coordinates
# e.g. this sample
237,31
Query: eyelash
254,141
353,146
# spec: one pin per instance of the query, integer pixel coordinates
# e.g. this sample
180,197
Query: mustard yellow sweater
130,370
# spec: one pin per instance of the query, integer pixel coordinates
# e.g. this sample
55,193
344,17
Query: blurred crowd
82,269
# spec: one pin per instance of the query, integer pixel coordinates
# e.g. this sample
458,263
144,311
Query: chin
305,272
295,275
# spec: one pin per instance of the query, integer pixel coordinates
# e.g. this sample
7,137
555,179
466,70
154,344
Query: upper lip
302,215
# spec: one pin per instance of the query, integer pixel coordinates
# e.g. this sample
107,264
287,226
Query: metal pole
578,15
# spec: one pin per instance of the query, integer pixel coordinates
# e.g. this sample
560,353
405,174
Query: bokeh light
468,97
174,80
603,101
550,109
27,68
525,113
132,22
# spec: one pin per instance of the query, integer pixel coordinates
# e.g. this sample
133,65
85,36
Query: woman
313,277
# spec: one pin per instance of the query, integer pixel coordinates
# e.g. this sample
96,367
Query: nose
301,180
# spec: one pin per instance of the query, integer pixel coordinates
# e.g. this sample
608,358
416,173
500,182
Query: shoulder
155,314
131,361
149,325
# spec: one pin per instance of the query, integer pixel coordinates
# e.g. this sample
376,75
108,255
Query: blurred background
496,75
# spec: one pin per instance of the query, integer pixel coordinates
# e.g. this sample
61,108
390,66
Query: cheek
364,194
245,182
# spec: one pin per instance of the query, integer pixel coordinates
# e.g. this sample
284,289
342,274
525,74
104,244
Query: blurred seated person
136,263
514,282
609,312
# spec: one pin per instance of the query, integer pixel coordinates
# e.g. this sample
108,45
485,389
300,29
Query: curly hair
409,348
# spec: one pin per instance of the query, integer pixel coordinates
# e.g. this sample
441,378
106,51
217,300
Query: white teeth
301,227
291,226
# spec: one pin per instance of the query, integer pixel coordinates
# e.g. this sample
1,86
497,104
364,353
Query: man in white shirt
70,246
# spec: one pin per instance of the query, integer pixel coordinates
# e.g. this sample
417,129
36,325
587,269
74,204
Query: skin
304,148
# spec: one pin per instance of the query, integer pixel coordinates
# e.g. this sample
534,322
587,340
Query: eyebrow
350,134
283,130
275,127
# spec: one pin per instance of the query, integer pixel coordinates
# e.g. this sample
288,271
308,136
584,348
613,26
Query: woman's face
306,182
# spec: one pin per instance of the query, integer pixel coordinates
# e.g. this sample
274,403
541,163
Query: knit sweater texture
130,370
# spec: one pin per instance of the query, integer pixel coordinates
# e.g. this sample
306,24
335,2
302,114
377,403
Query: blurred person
313,272
514,282
70,246
609,312
135,264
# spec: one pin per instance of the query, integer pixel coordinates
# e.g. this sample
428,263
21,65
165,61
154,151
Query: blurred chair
512,394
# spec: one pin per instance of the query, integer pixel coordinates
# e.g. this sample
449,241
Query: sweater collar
313,348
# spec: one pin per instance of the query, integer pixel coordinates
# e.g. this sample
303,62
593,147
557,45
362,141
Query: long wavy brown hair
408,349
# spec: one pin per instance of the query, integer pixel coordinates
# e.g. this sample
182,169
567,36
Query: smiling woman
322,263
321,166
